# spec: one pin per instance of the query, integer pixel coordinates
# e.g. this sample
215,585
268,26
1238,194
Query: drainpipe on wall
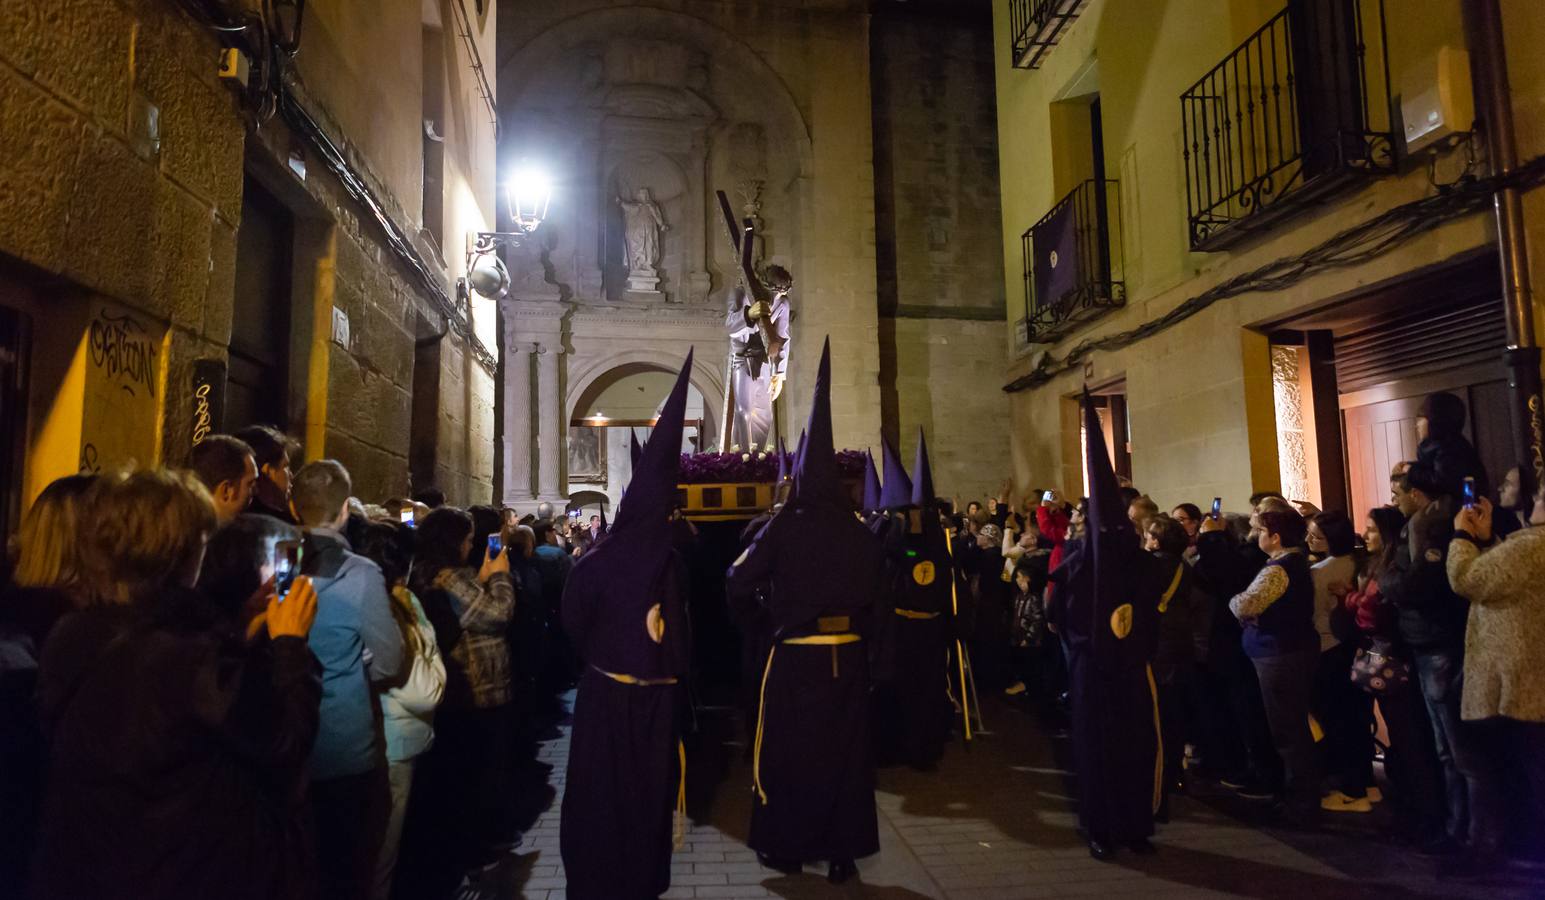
1493,100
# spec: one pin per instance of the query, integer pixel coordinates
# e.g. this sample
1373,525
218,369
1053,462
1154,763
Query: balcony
1037,26
1072,262
1291,116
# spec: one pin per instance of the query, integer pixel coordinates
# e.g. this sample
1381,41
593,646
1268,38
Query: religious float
724,487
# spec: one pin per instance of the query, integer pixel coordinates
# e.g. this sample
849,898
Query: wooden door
1380,434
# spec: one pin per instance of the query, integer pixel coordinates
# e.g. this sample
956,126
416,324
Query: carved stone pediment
649,101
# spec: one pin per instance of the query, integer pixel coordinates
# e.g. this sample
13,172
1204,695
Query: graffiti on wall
208,398
123,351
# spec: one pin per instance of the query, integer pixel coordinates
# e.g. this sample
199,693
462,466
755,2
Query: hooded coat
1447,449
624,609
813,777
1112,591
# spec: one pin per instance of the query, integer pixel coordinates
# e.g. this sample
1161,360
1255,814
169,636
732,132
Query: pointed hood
614,584
601,532
784,472
652,489
1106,510
871,483
922,474
635,449
816,478
897,493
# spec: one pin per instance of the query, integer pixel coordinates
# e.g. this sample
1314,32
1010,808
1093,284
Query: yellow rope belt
813,640
960,649
679,821
635,680
1158,734
914,614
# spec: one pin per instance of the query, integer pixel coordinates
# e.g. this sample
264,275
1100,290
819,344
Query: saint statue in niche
642,223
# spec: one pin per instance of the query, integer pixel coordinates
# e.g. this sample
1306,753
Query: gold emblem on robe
654,624
923,573
1121,621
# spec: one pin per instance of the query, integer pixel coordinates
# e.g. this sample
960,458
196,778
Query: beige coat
1505,638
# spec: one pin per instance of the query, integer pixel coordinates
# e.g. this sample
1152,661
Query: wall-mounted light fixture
528,195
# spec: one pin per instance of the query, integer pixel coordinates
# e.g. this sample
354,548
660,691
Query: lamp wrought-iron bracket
488,241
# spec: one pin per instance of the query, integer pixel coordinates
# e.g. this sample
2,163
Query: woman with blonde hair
177,744
46,583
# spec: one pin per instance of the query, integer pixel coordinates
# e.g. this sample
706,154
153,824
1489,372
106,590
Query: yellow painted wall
1188,387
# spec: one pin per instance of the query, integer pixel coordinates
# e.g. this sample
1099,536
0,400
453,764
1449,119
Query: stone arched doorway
621,395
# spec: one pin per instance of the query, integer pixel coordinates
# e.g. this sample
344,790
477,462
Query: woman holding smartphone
470,610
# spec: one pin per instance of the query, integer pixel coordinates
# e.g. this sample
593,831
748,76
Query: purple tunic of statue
624,609
813,777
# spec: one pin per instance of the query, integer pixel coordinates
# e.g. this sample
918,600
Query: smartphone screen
495,546
1469,492
286,566
406,516
1217,507
1049,496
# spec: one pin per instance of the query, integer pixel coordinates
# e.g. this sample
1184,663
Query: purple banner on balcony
1055,243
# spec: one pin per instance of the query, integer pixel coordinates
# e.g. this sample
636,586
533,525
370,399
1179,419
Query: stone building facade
1192,408
176,258
793,109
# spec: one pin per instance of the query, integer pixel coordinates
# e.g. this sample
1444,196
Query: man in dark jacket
1240,752
1440,427
360,646
1432,621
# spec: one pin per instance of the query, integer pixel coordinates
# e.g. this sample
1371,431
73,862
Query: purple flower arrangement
745,468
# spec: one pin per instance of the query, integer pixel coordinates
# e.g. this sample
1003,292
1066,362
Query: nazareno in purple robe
913,632
623,780
813,775
1111,589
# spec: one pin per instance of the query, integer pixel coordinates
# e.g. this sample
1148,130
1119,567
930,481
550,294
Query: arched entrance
620,398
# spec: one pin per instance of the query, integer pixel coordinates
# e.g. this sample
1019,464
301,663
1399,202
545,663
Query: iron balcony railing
1072,262
1037,26
1291,115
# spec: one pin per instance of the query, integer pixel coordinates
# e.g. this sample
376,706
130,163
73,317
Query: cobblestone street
996,822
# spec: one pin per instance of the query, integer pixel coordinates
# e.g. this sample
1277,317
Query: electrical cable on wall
269,92
1351,247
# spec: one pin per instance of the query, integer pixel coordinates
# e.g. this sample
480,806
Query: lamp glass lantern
528,195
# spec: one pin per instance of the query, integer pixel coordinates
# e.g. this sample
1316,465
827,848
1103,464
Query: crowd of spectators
1299,648
236,679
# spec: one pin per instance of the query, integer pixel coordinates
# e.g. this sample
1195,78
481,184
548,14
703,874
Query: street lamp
527,195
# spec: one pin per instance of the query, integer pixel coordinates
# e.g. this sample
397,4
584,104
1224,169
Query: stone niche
666,108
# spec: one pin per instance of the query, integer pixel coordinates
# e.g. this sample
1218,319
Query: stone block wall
122,160
945,386
940,273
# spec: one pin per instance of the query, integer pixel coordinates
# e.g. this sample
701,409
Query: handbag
1380,672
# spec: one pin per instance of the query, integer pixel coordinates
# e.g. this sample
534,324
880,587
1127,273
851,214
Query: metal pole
1493,102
